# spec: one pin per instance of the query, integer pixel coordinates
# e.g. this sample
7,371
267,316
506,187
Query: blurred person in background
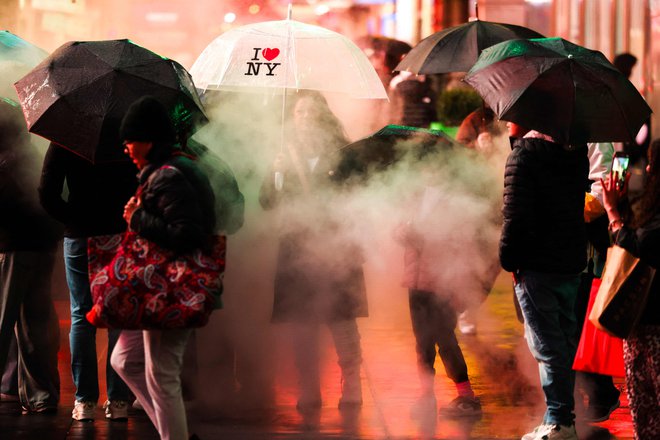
602,396
636,148
319,278
29,328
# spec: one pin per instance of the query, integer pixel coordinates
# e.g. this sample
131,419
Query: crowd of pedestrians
165,194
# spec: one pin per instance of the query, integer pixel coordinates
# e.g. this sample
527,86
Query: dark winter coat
177,205
544,190
95,195
319,274
24,225
230,203
644,243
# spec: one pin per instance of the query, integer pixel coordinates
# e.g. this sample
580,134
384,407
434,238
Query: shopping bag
137,284
597,351
622,294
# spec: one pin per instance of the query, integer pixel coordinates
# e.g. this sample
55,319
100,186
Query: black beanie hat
147,120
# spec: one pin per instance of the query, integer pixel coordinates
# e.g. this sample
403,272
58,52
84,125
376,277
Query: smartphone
620,163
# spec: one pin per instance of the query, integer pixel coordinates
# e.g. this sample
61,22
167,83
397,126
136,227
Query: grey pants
27,314
150,363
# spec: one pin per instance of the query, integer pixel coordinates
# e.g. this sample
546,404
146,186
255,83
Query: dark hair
330,128
650,200
625,63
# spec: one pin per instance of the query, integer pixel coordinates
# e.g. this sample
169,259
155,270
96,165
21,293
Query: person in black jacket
88,199
28,241
543,243
174,208
641,237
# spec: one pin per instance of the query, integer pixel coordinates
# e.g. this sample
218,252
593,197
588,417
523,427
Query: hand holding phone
620,163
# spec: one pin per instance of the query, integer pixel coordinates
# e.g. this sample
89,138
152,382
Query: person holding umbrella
543,243
96,197
319,278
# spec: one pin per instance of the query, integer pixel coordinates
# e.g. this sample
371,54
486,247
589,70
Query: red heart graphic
270,54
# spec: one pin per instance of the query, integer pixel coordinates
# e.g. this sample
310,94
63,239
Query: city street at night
500,365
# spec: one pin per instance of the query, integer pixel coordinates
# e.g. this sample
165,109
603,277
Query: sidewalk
502,370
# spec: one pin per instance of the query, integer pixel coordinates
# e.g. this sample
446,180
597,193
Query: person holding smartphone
640,235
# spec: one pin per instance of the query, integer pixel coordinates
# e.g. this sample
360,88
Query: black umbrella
378,151
456,49
566,91
77,96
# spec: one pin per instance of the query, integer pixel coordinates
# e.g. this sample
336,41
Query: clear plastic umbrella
286,54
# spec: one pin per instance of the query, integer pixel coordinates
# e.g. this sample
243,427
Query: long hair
329,128
650,200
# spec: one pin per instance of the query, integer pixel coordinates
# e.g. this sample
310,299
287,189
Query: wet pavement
245,407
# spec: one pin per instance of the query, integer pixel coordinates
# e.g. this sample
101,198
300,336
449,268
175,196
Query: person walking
175,208
319,278
641,237
543,243
29,328
89,200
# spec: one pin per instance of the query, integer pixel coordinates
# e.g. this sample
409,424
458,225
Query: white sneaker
83,410
552,432
116,409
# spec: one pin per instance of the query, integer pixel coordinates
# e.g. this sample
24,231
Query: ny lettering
254,68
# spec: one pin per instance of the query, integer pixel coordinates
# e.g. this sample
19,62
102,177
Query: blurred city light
322,9
162,17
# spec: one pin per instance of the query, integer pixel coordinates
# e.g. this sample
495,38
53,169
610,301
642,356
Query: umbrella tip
289,11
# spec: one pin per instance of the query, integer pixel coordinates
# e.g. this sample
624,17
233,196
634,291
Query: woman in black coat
641,237
174,208
319,277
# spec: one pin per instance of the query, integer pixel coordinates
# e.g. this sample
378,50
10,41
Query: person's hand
131,206
612,193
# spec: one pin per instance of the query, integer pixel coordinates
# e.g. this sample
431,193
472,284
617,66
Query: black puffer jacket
96,195
544,190
177,205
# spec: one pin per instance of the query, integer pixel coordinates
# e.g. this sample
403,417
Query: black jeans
434,320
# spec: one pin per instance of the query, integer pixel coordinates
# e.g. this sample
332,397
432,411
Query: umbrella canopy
78,95
15,49
286,54
456,49
387,146
17,57
559,88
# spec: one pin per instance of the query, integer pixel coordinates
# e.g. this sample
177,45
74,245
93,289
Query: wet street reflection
502,371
